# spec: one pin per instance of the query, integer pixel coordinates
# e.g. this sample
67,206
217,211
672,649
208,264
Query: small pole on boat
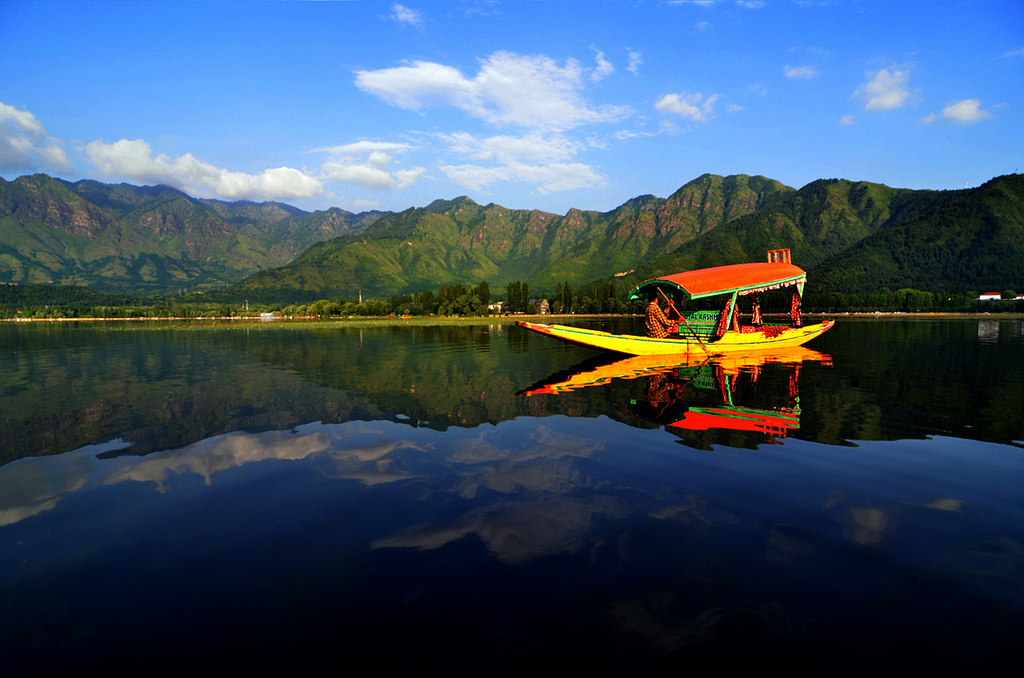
683,318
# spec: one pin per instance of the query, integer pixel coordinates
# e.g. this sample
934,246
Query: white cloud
751,4
483,8
134,159
509,89
21,119
804,72
964,112
703,26
418,85
756,89
604,67
404,15
407,177
847,120
734,108
365,163
532,158
361,147
551,178
688,105
365,175
635,59
511,149
24,144
885,90
1012,54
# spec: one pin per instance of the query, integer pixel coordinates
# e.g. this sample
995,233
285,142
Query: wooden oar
683,318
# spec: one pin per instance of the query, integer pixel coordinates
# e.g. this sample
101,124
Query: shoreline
256,319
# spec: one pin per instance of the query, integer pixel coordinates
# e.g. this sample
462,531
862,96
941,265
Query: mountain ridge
850,236
124,238
458,240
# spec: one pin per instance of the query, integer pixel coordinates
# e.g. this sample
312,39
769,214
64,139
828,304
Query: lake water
483,500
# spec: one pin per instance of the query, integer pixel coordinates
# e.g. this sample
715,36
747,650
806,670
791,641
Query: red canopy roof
742,278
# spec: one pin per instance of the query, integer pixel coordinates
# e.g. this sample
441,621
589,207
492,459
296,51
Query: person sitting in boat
658,324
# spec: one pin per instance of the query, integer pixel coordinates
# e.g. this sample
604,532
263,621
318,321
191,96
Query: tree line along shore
27,302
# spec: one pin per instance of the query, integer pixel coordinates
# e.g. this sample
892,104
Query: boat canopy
734,279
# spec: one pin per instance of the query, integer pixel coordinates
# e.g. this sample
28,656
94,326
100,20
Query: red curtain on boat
723,320
756,321
794,311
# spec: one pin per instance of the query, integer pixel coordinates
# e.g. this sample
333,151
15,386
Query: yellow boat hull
732,342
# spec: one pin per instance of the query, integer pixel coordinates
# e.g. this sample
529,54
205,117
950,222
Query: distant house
990,296
541,305
538,306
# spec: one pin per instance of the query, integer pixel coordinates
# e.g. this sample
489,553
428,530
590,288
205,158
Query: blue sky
545,104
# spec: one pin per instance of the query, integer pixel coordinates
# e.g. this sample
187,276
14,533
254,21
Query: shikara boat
710,332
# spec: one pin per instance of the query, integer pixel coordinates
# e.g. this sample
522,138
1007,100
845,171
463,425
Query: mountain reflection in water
276,498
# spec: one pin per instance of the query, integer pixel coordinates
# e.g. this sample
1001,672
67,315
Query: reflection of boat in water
710,332
700,394
603,370
679,409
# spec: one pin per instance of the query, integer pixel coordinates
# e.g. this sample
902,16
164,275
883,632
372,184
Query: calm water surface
486,501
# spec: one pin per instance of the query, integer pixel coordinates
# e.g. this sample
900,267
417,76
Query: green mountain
461,241
123,238
859,237
973,240
819,221
851,237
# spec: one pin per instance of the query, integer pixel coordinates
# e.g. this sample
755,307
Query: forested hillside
852,237
457,241
131,239
973,240
820,220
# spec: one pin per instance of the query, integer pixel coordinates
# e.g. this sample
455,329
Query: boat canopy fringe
741,279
